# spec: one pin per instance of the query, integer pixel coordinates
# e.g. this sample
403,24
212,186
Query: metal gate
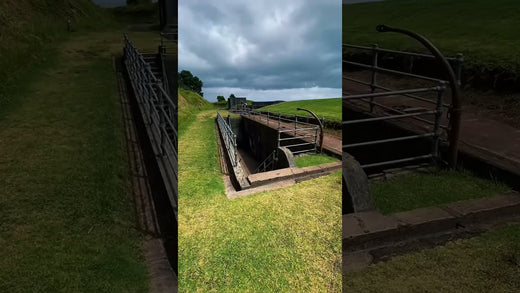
292,130
415,100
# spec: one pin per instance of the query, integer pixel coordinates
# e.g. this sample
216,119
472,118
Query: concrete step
297,174
373,230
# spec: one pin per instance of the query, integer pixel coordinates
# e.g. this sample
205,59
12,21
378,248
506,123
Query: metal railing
168,43
292,129
171,35
230,139
159,114
451,70
267,164
377,102
375,51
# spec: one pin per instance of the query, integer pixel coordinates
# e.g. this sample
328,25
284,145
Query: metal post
235,149
436,126
458,68
279,120
373,82
162,128
316,140
295,123
319,123
456,104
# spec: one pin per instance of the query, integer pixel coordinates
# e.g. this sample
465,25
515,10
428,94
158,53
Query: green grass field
284,240
67,221
489,263
313,160
486,32
66,213
328,108
190,103
417,190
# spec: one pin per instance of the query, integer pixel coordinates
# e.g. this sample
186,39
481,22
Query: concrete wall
260,139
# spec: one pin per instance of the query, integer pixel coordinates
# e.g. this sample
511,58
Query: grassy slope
27,26
486,32
411,191
328,108
66,219
284,240
490,263
190,103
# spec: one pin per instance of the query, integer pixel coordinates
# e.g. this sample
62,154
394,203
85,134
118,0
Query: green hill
328,108
190,103
28,26
486,32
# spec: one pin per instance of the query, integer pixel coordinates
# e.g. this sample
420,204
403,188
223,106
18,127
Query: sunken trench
258,151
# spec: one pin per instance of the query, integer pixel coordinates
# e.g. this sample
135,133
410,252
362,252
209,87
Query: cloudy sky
263,50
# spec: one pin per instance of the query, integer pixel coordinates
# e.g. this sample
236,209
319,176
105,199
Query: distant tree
231,96
190,82
221,99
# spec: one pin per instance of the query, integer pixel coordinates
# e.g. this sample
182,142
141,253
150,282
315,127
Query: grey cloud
262,44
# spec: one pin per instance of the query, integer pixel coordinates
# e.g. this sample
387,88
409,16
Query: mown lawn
489,263
313,160
417,190
486,32
66,215
328,108
284,240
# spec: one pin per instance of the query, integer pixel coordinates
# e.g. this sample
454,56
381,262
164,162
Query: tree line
190,82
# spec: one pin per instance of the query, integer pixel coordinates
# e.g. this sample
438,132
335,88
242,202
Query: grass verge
283,240
313,160
489,263
454,26
328,108
66,219
417,190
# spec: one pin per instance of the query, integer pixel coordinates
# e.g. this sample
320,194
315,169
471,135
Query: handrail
230,139
282,117
159,114
396,52
456,104
269,161
383,93
305,127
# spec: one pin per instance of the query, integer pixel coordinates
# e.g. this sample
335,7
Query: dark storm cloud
262,45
